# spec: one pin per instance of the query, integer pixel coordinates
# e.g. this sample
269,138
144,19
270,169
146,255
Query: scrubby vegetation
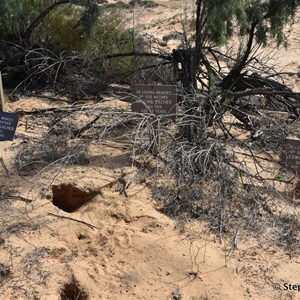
220,152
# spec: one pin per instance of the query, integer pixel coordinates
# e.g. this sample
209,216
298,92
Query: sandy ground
118,247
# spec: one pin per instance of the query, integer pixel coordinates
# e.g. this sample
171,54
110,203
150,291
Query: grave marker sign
290,157
155,99
8,125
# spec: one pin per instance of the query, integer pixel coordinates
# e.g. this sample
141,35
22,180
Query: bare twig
75,220
4,166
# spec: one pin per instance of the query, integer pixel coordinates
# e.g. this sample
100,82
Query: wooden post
1,94
1,109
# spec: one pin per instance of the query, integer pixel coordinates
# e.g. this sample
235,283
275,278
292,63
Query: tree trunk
183,64
198,55
233,76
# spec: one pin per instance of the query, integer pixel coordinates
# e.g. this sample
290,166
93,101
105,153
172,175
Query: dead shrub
206,171
51,149
288,234
73,291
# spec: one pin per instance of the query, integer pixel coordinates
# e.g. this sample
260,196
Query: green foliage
219,19
59,30
16,16
280,13
219,22
68,27
89,19
111,36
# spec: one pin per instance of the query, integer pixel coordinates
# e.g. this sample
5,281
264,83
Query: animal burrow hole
70,198
73,291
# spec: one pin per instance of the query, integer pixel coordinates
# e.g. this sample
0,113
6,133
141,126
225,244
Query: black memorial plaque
290,156
155,99
8,125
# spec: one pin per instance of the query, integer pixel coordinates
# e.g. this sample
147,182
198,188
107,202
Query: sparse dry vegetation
216,164
211,175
